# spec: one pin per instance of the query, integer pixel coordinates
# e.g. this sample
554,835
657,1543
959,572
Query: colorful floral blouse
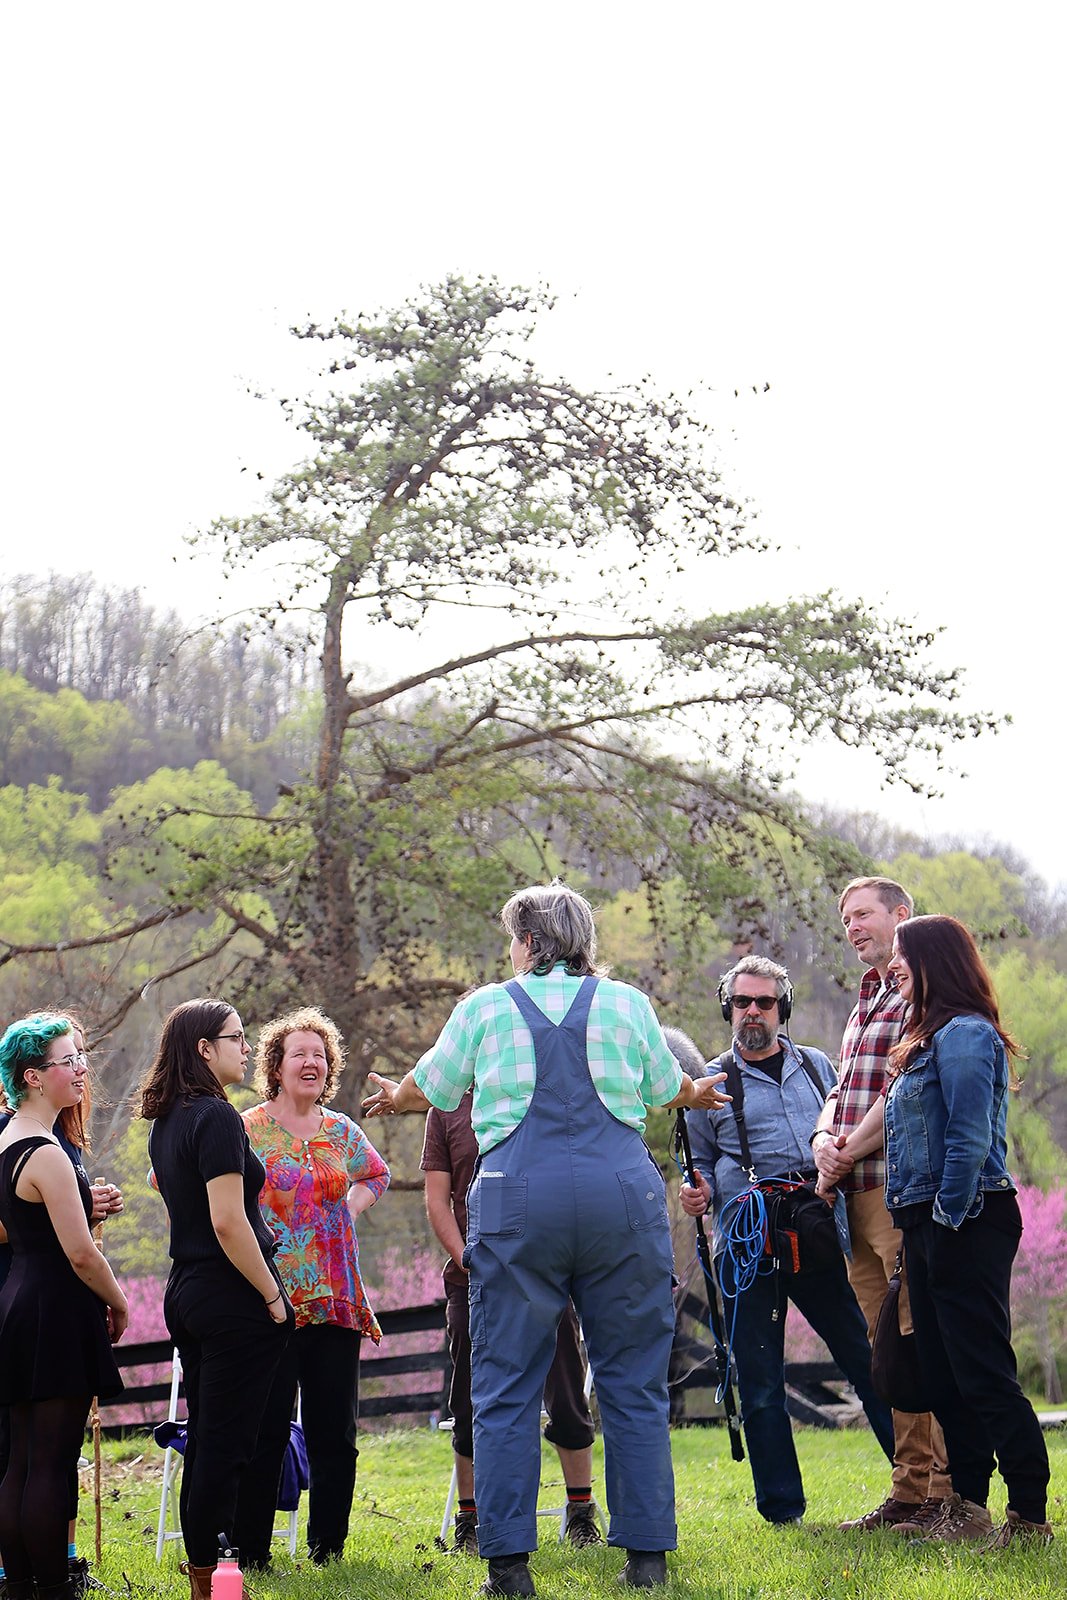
305,1201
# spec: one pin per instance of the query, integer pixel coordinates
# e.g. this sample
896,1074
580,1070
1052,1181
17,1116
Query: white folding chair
172,1461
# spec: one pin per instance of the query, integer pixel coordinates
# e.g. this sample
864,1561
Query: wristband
828,1132
277,1297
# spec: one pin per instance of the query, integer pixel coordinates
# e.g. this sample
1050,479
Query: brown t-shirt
449,1146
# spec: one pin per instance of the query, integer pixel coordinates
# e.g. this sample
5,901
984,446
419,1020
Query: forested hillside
108,805
489,660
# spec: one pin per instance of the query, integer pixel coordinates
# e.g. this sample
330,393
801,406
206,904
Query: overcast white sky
861,204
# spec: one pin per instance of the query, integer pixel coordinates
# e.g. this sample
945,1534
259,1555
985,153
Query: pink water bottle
227,1580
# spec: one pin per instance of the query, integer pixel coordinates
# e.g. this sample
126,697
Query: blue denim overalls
569,1204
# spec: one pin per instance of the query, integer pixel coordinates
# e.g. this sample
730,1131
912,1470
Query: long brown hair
949,979
179,1071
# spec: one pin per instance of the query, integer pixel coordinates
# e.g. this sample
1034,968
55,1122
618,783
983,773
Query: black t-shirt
199,1139
772,1065
449,1146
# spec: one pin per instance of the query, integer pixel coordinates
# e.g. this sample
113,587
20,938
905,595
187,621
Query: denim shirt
778,1121
945,1123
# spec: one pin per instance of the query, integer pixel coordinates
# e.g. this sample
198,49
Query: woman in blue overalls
566,1202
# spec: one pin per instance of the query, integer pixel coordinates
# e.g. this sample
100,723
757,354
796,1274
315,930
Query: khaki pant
919,1464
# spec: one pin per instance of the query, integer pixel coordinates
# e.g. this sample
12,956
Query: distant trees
518,671
99,688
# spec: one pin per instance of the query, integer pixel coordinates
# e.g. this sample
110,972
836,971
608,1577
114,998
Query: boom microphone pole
718,1332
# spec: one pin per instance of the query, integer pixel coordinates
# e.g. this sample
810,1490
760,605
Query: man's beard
755,1034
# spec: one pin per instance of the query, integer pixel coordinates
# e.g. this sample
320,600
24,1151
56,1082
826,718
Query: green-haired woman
61,1308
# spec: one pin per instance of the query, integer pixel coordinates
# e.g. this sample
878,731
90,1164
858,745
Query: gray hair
758,967
685,1053
556,924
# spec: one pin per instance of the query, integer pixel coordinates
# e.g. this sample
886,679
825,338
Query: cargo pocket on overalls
645,1196
477,1317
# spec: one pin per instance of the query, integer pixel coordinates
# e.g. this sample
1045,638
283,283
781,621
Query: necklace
37,1123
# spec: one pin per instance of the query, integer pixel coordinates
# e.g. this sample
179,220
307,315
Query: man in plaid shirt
849,1149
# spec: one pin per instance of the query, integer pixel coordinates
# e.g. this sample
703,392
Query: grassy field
726,1552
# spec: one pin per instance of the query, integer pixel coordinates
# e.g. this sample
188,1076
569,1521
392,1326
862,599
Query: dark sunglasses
741,1002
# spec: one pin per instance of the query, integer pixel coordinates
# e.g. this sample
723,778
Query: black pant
570,1424
324,1360
230,1348
960,1284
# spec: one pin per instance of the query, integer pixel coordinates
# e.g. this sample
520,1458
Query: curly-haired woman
322,1173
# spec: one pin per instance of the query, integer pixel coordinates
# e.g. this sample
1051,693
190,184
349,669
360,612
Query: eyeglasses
238,1035
741,1002
77,1059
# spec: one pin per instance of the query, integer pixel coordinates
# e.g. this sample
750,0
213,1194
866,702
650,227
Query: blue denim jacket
945,1123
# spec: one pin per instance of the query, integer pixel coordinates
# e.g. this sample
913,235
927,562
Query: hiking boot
924,1515
199,1580
465,1540
644,1569
1018,1531
582,1527
959,1520
81,1579
890,1514
509,1576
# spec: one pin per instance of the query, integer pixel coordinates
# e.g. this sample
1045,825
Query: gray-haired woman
566,1202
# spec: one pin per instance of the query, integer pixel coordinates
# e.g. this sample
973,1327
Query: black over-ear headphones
785,1001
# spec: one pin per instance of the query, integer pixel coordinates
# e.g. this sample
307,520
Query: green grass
726,1552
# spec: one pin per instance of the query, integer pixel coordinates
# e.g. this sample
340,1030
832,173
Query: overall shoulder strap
530,1011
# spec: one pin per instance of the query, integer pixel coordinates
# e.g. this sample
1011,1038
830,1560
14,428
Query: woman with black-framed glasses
224,1304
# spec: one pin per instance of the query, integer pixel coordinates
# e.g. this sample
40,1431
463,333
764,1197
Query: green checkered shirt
485,1042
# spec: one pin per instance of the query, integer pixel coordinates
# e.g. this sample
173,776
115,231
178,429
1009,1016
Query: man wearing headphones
778,1092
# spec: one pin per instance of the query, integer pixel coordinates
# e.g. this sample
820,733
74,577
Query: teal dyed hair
25,1044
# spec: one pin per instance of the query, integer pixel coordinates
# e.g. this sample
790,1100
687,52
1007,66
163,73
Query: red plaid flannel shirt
870,1033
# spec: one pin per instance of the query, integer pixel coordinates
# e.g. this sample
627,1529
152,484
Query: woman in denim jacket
948,1188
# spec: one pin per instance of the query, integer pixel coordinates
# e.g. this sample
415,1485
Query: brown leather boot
199,1580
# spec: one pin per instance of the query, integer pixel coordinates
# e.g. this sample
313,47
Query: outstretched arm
391,1098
